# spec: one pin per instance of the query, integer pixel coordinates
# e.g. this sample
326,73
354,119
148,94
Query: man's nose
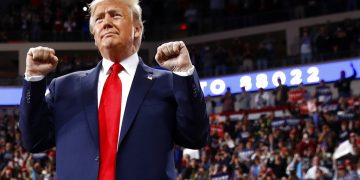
107,21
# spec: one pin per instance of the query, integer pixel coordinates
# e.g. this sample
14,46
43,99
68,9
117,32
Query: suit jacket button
97,158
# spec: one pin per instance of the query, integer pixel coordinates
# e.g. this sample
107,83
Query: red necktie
109,119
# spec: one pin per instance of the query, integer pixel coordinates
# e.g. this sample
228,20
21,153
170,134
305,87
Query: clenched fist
40,61
174,56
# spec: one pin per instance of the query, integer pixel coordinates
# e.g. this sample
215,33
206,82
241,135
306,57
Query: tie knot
116,68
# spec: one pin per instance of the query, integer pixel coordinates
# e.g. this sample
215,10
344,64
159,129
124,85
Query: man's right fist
40,61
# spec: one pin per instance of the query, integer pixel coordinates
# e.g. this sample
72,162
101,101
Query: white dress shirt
126,76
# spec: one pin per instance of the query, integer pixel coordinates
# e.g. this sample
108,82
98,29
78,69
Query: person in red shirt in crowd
306,143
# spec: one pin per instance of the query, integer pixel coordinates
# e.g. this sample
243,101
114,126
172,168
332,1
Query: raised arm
192,121
35,108
353,76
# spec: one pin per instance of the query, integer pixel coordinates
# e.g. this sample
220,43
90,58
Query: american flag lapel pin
149,77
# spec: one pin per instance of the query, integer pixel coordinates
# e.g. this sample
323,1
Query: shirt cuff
186,73
34,78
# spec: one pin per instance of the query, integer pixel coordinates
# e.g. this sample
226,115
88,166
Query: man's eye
117,16
97,20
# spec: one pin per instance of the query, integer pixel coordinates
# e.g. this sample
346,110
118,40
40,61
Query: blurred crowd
319,43
64,20
15,162
324,42
330,41
315,137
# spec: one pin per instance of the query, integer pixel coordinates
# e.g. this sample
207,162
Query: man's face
113,26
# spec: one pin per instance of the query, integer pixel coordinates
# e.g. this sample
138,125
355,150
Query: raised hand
174,56
40,61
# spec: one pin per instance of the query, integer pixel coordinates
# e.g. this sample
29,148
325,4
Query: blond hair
136,13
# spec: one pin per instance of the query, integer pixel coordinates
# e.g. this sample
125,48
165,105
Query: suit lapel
142,82
89,85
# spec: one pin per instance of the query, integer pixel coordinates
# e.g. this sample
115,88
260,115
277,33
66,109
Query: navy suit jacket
162,109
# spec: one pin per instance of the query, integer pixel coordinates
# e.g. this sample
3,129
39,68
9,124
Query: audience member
262,99
323,92
306,48
244,99
343,85
281,93
228,101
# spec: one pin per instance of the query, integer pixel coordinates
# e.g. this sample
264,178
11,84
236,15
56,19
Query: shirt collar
129,64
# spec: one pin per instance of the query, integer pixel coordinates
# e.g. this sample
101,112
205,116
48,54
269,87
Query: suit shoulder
73,75
160,72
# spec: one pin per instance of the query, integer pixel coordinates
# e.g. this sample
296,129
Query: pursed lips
108,34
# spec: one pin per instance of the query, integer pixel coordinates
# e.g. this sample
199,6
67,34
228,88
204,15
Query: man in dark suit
121,119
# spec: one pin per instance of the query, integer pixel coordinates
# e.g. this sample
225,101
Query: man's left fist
174,56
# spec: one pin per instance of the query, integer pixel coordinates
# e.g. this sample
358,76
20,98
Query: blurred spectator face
25,174
204,157
348,164
237,173
201,171
224,169
341,170
37,167
10,164
316,161
325,128
352,138
356,124
17,136
228,90
8,147
261,90
8,173
342,74
324,147
193,163
279,81
243,89
292,133
307,152
306,138
248,145
240,146
301,86
17,154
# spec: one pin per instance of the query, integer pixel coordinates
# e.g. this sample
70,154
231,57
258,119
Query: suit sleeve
192,121
35,122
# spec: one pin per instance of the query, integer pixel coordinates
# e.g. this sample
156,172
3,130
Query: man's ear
138,30
92,36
